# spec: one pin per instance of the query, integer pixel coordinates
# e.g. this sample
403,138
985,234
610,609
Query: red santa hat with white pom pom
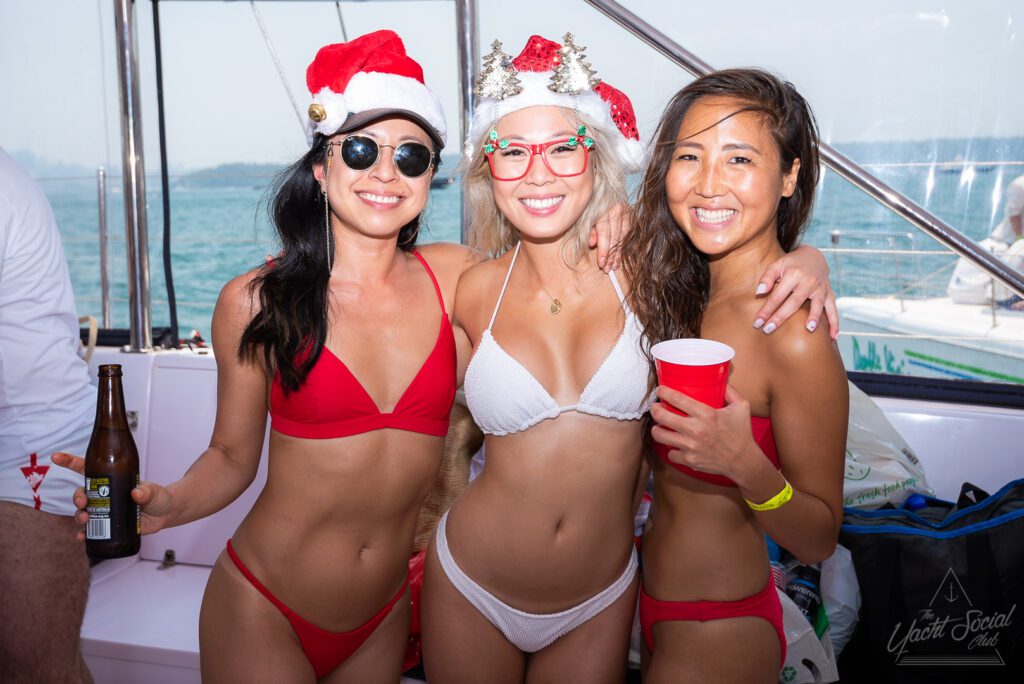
366,79
546,73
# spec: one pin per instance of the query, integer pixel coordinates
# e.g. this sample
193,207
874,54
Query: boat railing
856,174
914,273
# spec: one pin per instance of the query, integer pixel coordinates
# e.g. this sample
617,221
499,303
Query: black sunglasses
412,159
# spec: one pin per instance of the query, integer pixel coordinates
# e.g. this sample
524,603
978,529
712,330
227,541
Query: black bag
942,590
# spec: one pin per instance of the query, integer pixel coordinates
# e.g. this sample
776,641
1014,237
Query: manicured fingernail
767,330
761,289
812,326
759,322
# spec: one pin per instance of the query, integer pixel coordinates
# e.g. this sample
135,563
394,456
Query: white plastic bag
809,660
880,466
840,593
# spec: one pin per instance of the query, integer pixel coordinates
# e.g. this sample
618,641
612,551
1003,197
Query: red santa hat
365,79
534,72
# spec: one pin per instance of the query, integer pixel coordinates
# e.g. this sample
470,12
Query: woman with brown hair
729,189
532,574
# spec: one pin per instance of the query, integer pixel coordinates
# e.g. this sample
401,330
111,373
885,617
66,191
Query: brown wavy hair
669,277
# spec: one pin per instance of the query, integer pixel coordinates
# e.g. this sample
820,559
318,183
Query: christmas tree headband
546,73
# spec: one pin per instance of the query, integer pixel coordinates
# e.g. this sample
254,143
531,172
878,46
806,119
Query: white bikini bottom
529,632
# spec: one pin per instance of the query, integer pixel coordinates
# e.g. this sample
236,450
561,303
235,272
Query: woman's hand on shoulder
716,441
797,277
608,233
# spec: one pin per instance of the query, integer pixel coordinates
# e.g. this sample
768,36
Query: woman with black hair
345,337
729,189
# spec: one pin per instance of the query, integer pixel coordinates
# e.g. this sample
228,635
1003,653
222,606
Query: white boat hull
931,338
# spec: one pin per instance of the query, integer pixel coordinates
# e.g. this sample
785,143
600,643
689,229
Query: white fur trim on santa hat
374,90
535,93
337,111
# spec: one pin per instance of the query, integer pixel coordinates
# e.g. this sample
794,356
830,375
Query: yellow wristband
776,501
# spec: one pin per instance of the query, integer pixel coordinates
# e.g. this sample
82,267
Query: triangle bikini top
505,398
333,403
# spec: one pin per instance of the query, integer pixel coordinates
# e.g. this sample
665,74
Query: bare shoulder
450,258
478,276
478,291
793,349
238,301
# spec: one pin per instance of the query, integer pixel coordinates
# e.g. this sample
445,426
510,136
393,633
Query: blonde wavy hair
491,232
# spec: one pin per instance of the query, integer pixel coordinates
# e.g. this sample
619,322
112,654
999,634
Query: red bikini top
762,428
332,403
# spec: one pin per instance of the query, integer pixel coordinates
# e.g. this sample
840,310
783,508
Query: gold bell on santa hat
317,112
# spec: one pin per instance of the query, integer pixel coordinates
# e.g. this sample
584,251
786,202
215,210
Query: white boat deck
142,622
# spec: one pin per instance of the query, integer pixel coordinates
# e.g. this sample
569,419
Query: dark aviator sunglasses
412,159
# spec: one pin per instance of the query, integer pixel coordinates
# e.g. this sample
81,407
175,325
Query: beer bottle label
97,491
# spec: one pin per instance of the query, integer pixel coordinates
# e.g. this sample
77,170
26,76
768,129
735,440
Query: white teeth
380,199
534,203
716,216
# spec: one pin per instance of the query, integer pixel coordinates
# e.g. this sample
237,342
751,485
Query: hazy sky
872,69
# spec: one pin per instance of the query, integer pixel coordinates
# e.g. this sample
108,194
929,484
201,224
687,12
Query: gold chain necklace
556,304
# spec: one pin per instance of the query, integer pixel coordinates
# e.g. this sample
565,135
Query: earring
327,209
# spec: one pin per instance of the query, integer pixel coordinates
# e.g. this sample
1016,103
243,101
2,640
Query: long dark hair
289,330
670,279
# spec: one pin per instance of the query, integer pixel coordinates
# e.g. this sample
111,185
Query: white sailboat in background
172,393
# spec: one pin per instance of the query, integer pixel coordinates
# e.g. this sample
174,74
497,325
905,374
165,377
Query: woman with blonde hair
533,572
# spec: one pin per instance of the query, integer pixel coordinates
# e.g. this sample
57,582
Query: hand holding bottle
154,499
110,504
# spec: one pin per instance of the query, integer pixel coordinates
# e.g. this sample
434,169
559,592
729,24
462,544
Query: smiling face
541,205
724,181
377,201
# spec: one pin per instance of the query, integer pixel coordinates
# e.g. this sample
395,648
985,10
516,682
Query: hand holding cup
702,422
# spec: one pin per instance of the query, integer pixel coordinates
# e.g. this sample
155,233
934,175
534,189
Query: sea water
218,232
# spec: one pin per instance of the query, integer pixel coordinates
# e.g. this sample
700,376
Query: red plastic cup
697,368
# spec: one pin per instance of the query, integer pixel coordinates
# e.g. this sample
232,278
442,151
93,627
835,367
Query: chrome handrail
140,336
466,26
888,197
101,201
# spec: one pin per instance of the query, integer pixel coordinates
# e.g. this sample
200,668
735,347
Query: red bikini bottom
325,650
764,604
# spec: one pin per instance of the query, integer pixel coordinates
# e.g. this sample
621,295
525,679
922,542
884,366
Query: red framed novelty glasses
511,161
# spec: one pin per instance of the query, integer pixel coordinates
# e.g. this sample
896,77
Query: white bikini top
505,398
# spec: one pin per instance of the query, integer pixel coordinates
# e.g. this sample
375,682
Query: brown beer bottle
111,472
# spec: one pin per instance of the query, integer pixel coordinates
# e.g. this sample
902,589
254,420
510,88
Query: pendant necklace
556,304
